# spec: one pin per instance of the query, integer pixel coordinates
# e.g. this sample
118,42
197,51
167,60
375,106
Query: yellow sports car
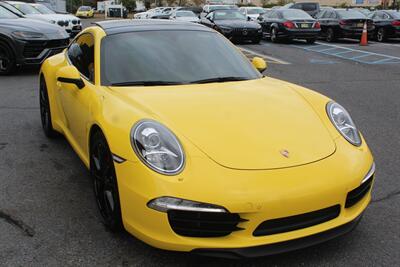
191,148
85,12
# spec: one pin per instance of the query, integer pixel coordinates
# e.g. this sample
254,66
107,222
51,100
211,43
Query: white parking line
387,44
269,58
360,56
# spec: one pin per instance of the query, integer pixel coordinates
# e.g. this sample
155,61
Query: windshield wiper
145,83
221,79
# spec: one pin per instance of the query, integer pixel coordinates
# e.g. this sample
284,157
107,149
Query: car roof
134,25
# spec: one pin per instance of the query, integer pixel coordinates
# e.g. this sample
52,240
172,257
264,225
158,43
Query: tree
129,4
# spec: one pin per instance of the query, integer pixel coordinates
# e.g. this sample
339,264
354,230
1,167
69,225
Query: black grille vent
354,196
296,222
33,48
203,224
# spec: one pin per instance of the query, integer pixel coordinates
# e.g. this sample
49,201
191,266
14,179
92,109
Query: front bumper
281,247
257,196
243,34
31,52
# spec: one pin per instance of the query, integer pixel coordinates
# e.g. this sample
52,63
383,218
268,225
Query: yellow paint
232,134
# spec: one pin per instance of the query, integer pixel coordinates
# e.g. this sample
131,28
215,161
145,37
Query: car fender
9,42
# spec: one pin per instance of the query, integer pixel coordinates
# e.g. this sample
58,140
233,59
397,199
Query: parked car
184,15
163,14
343,23
30,12
26,41
234,25
364,11
289,24
74,26
85,12
209,8
312,8
252,12
227,162
387,24
195,10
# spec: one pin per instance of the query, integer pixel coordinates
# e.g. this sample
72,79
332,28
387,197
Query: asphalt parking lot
48,214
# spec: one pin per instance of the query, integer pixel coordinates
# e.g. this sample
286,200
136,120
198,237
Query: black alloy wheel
381,35
105,182
330,35
45,112
274,35
7,60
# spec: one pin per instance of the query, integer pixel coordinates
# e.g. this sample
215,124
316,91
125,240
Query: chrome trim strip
369,174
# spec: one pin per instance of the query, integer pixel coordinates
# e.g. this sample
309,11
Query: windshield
43,9
212,8
177,57
26,9
295,14
255,11
309,6
185,14
84,8
350,14
228,14
6,14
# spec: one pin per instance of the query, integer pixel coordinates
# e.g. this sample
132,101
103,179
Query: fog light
165,204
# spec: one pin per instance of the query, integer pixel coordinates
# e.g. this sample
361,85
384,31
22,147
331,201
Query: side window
327,14
321,14
81,55
333,15
386,16
273,15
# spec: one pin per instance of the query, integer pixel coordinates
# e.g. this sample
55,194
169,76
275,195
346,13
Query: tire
330,35
381,35
105,182
310,41
45,112
274,35
7,60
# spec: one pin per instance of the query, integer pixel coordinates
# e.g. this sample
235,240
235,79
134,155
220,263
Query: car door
75,102
270,18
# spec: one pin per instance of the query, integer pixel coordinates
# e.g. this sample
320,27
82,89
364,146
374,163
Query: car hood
257,124
50,30
237,24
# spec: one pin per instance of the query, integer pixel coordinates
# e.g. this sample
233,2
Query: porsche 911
191,148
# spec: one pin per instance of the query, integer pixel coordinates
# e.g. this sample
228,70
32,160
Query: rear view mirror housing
259,64
70,75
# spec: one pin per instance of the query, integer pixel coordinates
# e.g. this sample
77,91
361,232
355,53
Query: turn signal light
317,25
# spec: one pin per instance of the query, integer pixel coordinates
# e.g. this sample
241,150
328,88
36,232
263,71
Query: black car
27,42
343,23
289,24
234,25
387,24
312,8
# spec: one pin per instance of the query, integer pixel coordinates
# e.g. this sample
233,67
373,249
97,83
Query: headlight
343,123
225,29
157,147
27,35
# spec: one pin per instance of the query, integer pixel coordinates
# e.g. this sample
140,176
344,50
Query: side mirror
70,75
248,18
259,64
